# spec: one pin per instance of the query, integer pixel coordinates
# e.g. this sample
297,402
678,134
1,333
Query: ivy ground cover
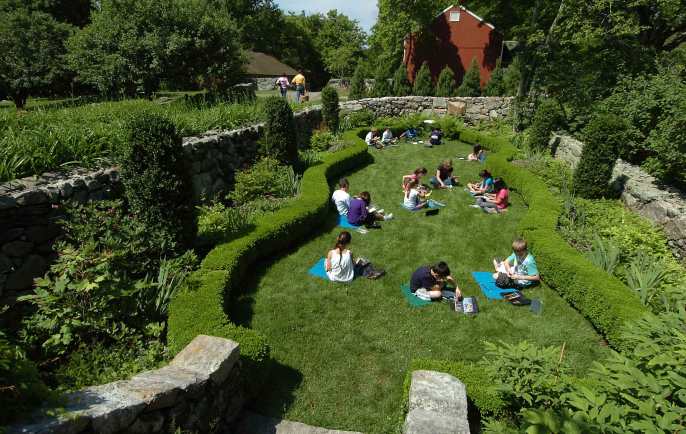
341,351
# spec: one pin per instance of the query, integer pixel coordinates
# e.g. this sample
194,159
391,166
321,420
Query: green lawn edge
199,308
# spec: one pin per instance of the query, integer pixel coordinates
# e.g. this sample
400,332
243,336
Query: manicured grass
341,351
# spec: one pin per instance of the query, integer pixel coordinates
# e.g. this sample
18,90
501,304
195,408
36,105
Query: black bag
504,281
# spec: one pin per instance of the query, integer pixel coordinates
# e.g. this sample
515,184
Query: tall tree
446,83
401,85
471,83
32,44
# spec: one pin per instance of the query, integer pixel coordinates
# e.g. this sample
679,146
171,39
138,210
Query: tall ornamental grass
46,140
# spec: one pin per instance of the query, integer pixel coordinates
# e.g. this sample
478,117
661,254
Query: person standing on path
299,83
283,83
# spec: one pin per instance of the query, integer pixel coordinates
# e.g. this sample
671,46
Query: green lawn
342,351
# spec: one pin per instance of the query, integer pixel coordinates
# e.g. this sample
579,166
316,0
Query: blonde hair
447,163
519,245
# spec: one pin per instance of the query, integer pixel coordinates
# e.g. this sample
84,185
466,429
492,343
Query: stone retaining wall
471,109
199,389
30,207
641,193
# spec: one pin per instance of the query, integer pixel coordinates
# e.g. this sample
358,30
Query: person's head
343,241
412,184
440,270
499,184
284,75
366,197
476,149
485,174
420,171
447,164
520,247
387,130
343,184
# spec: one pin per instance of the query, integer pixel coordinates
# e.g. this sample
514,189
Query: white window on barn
455,16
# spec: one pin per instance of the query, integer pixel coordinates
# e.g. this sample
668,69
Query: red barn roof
455,37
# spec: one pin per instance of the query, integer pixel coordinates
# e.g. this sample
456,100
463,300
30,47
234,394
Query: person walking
282,82
299,83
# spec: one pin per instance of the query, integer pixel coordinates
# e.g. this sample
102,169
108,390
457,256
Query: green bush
157,178
357,119
547,119
471,83
604,136
200,307
265,179
668,142
512,76
358,88
446,83
280,138
322,140
330,108
423,83
21,388
401,85
496,85
381,87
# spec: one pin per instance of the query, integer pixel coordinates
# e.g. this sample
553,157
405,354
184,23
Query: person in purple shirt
359,215
429,281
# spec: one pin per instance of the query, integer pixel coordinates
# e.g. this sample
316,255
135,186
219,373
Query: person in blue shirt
520,266
409,134
485,186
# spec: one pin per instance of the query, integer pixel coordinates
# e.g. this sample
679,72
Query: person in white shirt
413,197
341,197
339,261
387,137
372,138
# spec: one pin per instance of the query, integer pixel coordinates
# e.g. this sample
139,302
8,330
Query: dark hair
441,269
499,184
421,170
477,148
343,183
485,174
365,196
343,239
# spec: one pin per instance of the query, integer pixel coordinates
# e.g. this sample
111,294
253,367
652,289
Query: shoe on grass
362,231
474,206
388,217
422,294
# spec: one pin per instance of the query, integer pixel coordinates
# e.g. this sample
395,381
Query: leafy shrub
446,83
322,140
357,119
156,177
358,88
20,386
266,178
423,83
471,83
512,77
668,142
401,85
496,85
382,87
546,119
604,255
645,276
604,135
99,363
330,108
280,139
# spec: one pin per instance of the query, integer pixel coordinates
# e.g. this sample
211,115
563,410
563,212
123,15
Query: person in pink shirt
497,202
282,82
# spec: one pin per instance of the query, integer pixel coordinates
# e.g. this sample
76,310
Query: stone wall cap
210,356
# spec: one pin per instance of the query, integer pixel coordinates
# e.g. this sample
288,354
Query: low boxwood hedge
603,299
200,307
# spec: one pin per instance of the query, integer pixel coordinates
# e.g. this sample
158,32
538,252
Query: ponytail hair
342,241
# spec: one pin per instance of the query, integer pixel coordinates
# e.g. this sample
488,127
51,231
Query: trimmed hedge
200,308
603,299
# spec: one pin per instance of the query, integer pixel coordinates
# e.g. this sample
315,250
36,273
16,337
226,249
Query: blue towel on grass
319,270
412,299
345,224
488,286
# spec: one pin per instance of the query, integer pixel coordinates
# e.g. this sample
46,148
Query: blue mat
319,270
412,299
488,287
344,223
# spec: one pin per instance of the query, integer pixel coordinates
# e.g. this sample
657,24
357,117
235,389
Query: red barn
455,37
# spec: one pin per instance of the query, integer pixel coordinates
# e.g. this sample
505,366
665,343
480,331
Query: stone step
252,423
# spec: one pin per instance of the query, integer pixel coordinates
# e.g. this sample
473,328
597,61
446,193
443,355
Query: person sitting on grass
444,176
428,282
478,154
341,266
341,197
373,138
485,186
358,213
414,197
497,202
520,266
387,137
435,137
409,134
414,176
